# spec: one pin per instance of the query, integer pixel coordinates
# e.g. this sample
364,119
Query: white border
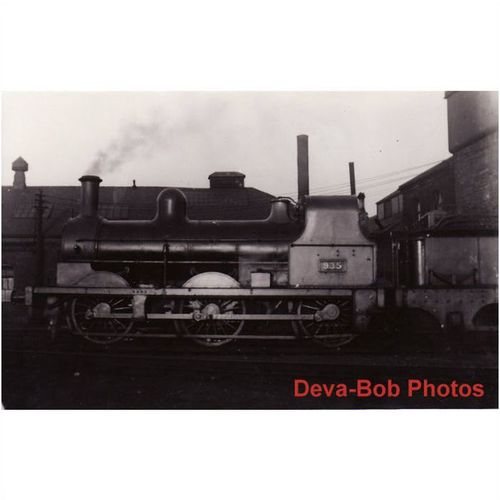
271,45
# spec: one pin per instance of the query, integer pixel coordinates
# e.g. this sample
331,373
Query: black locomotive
307,271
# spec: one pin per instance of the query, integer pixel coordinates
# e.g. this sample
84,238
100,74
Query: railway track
37,341
484,361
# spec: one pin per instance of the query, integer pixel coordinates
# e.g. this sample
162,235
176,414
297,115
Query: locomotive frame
361,299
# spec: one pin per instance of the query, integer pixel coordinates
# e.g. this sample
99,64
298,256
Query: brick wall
476,176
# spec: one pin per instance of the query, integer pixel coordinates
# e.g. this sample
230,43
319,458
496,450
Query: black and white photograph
196,250
249,249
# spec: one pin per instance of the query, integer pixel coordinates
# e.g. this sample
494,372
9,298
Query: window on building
395,205
418,209
388,208
380,211
7,283
437,201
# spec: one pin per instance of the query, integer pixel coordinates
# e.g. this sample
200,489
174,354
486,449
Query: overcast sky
178,139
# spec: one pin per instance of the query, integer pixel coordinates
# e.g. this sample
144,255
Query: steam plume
133,139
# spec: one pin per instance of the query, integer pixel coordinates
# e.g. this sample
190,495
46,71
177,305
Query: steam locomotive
307,271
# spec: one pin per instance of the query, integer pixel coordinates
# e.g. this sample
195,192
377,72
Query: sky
178,139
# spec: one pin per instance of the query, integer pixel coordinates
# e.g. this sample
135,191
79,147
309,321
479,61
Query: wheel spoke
312,308
329,333
226,327
88,326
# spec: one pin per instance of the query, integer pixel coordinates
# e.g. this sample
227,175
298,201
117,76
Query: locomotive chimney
90,195
302,166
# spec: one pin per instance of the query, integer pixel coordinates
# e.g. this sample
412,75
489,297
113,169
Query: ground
172,373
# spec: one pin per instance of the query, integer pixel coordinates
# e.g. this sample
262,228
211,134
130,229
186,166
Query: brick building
473,141
457,196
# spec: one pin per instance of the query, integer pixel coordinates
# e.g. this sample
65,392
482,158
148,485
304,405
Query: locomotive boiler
306,271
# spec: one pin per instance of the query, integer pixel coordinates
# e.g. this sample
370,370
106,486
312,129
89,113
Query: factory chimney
302,166
19,166
90,195
352,179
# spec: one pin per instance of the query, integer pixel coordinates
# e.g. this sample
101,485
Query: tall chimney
302,166
352,179
90,195
19,166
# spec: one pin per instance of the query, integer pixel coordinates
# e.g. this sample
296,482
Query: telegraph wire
375,177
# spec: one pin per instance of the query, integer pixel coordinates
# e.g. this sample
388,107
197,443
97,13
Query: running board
212,317
281,293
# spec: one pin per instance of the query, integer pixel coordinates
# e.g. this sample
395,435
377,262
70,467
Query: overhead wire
375,177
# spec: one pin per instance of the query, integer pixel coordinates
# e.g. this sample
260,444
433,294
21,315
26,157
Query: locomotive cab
333,250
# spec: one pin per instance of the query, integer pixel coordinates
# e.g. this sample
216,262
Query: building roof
418,178
394,223
132,203
431,171
389,196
